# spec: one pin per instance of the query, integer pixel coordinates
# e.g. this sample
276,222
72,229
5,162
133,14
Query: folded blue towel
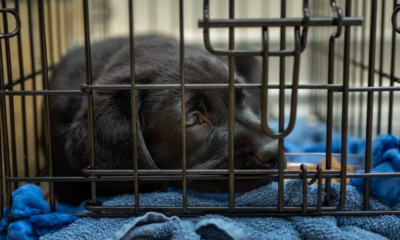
385,158
158,226
28,203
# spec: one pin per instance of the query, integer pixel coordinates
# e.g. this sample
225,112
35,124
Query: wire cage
334,60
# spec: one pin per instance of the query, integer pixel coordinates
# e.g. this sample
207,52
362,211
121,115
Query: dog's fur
158,119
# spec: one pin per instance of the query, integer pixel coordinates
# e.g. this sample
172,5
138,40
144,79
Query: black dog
159,124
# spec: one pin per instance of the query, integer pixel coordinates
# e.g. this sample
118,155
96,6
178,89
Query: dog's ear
112,129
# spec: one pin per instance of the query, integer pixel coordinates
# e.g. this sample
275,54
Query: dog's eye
194,120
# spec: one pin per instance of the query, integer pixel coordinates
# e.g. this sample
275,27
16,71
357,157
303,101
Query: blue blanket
309,137
28,204
158,226
385,158
28,200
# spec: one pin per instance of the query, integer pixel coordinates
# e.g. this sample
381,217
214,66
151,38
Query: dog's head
159,135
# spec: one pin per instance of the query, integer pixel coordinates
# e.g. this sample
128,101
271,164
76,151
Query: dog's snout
268,154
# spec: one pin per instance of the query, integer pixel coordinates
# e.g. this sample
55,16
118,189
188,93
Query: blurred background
21,65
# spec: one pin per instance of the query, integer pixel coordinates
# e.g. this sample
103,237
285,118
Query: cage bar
88,59
370,100
183,101
23,101
14,168
45,80
281,142
231,110
133,102
392,76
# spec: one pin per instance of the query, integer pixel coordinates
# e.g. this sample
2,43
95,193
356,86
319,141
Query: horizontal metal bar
152,208
194,208
110,172
236,214
205,86
251,174
132,208
280,22
287,209
374,89
273,172
333,87
130,178
43,93
176,172
90,179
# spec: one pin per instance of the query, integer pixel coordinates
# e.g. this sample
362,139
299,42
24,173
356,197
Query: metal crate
335,38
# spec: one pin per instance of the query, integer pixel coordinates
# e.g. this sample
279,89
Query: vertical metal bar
50,31
353,78
34,102
345,106
43,49
314,101
318,70
23,100
381,55
329,120
303,168
370,100
4,131
281,154
361,96
392,71
231,110
319,203
183,101
317,58
11,98
90,96
315,53
133,102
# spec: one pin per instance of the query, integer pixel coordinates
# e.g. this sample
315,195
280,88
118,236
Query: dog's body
158,119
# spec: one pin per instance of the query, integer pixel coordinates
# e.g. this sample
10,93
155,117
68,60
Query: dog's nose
268,155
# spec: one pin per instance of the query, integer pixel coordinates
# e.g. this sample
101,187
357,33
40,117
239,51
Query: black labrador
158,119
